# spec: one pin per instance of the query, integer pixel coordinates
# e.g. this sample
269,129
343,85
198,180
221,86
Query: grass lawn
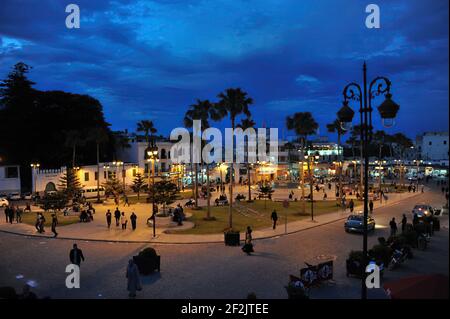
30,218
260,220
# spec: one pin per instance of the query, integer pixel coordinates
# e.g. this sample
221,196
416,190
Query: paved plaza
213,270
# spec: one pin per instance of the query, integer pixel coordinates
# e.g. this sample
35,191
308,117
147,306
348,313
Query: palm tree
232,103
245,124
355,137
335,127
99,136
303,124
148,128
74,139
201,111
379,138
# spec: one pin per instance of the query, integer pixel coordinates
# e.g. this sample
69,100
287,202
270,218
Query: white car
14,196
4,202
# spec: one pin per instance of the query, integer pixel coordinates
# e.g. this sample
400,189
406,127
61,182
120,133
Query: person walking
19,215
404,222
38,221
12,211
6,211
274,218
351,205
248,246
126,201
123,221
41,223
393,226
371,206
117,216
108,218
54,223
133,279
133,218
76,255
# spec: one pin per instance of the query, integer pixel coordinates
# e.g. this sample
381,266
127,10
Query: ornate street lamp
151,154
388,111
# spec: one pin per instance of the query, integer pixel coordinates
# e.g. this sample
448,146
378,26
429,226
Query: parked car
14,196
422,210
3,202
27,196
355,223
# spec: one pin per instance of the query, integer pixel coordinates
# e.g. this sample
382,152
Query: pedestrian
76,255
108,218
6,211
123,221
429,224
126,201
351,205
41,223
117,216
422,188
371,206
19,215
54,223
12,211
404,222
38,220
415,220
133,280
133,218
414,188
274,218
409,188
248,246
393,226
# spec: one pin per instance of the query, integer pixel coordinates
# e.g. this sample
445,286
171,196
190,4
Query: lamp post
388,111
35,167
310,159
152,156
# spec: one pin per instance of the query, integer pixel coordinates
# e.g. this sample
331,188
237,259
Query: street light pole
388,111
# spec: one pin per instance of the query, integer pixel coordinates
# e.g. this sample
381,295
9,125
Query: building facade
9,179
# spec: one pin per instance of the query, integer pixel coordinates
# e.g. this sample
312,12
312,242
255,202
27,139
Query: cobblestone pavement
212,270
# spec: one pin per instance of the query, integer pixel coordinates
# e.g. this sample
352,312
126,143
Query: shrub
147,253
356,255
381,253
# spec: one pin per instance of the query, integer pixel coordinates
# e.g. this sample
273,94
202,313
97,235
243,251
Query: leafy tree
113,187
55,201
139,185
163,192
69,184
36,124
265,191
232,103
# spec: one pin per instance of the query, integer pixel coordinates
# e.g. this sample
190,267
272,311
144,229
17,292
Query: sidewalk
97,230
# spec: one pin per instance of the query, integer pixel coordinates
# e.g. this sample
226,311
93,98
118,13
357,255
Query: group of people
426,220
13,213
121,219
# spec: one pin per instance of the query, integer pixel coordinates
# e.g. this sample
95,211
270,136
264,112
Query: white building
9,179
433,146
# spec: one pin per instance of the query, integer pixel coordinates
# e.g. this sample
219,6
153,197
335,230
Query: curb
192,243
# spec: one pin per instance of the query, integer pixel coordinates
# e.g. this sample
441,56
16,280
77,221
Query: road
212,270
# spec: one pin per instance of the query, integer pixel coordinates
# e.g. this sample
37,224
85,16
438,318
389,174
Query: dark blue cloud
152,59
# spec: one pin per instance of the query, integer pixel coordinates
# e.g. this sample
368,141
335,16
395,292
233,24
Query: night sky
152,59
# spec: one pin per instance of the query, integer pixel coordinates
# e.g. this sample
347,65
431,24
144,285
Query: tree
203,110
99,136
403,142
164,192
113,187
74,139
232,103
245,124
46,117
55,201
148,128
139,184
335,127
303,124
69,184
265,191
